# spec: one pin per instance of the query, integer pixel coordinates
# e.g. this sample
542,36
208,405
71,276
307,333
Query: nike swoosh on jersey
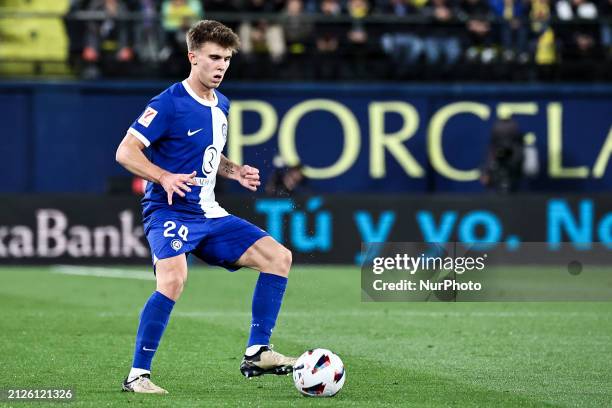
148,349
190,133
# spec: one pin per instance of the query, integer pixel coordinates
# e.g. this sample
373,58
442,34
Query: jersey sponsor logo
224,131
210,160
147,117
201,181
190,133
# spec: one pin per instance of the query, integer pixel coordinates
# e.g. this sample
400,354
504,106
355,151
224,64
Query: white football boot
266,361
142,385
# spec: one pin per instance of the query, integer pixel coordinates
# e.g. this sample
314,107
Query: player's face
212,62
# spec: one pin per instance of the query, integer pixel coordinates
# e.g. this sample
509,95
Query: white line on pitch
99,272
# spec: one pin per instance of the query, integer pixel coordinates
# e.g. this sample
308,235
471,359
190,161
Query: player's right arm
130,155
151,127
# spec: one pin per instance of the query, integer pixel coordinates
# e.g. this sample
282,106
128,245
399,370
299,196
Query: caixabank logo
53,235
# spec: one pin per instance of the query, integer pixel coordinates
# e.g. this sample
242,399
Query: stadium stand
495,40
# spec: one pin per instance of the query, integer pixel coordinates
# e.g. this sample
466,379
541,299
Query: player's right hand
176,183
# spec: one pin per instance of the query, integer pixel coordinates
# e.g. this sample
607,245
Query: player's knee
283,261
171,286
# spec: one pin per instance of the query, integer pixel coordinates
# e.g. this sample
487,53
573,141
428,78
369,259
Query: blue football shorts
216,241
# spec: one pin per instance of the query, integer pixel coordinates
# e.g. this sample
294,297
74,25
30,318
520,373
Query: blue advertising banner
86,229
350,138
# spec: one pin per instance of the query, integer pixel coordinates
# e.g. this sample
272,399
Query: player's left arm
247,176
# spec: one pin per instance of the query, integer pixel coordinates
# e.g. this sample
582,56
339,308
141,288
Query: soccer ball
319,373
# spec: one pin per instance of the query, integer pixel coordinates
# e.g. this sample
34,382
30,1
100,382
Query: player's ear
193,60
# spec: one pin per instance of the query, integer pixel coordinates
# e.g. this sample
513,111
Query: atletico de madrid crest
176,244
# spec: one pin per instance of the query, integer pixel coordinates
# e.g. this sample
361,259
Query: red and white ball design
319,373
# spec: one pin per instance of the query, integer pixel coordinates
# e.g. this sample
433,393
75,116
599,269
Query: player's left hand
249,177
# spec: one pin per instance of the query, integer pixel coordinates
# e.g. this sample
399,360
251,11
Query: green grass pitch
61,330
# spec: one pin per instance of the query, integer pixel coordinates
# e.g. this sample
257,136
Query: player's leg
171,274
274,262
233,243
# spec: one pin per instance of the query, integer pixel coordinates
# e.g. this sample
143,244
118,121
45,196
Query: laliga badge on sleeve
147,117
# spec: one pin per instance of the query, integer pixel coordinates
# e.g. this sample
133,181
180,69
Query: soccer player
185,128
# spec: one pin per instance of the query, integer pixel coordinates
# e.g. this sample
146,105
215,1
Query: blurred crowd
353,39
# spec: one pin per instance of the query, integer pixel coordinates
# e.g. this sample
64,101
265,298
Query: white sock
251,350
137,372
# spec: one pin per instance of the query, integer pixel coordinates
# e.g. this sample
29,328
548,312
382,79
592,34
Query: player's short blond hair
213,31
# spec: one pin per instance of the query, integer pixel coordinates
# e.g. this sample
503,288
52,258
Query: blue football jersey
184,133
